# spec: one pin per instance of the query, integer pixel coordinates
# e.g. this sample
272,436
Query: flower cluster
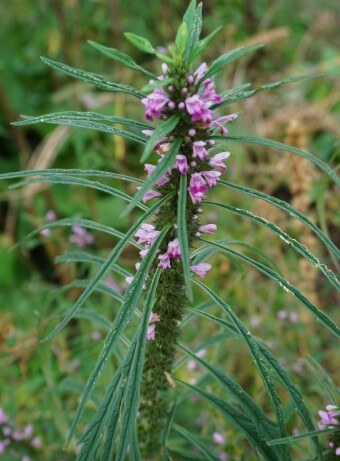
330,419
10,436
193,97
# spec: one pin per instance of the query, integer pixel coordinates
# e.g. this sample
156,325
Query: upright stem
159,358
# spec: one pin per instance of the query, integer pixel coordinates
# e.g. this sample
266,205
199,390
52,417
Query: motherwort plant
187,128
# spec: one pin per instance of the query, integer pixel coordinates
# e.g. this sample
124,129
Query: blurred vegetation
41,382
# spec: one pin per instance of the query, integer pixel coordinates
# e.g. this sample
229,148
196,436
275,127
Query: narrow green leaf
266,428
87,116
83,257
166,431
305,435
139,42
269,86
122,58
205,251
286,238
123,317
203,345
283,147
80,122
325,380
229,57
63,171
94,79
288,209
87,224
237,419
181,38
182,232
194,27
162,130
305,302
278,369
234,90
189,19
133,382
112,258
135,454
94,433
162,168
248,339
207,451
59,179
204,43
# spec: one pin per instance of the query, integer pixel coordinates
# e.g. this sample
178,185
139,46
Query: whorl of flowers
193,98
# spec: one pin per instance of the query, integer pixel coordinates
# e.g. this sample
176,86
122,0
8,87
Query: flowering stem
186,106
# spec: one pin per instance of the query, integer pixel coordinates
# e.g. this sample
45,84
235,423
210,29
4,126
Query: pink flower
216,160
3,416
51,216
198,109
181,164
164,261
199,150
36,442
150,335
200,72
2,447
209,93
219,122
201,269
208,229
329,418
218,438
174,250
147,234
282,315
144,252
147,133
128,280
211,177
154,103
165,68
149,168
197,188
150,195
81,237
46,232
